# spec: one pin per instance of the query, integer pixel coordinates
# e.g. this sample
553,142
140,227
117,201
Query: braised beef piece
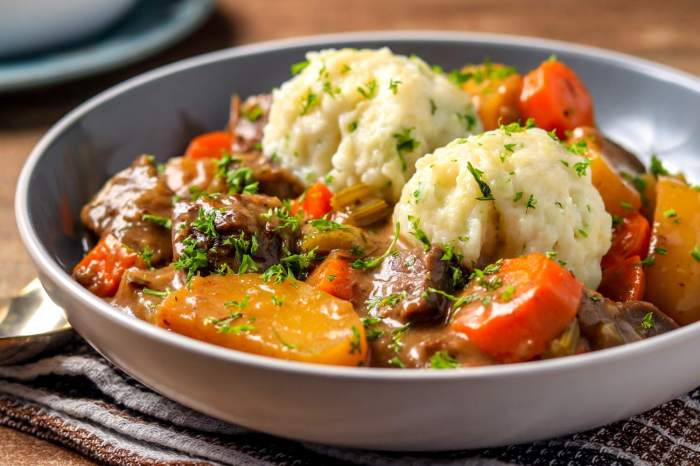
227,228
605,323
409,274
131,297
273,180
247,121
119,208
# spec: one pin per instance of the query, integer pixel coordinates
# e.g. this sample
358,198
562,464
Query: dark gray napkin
80,400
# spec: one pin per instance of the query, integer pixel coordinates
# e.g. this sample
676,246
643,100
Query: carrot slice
334,276
317,201
624,281
630,238
556,98
210,145
102,268
515,313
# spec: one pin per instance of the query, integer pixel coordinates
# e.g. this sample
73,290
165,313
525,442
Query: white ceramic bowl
29,25
639,103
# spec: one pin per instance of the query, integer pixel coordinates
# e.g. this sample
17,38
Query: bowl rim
48,266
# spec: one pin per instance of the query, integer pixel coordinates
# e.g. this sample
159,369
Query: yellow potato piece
673,282
288,320
619,197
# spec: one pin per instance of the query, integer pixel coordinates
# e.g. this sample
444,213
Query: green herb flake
418,233
355,341
158,220
309,101
657,167
405,144
648,321
695,253
670,213
372,262
394,85
157,293
297,68
443,360
486,194
369,90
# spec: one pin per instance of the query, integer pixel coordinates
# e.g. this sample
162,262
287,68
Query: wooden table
663,31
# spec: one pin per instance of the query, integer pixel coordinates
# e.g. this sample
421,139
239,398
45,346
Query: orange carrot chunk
334,276
317,201
624,281
516,312
556,98
630,238
210,145
102,268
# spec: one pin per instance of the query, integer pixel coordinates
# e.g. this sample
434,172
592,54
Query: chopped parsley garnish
355,341
648,321
372,262
507,293
277,274
394,85
277,300
486,194
553,134
443,360
284,216
397,337
146,256
370,89
516,128
297,264
157,293
157,220
391,300
518,196
371,330
670,213
581,167
578,147
330,90
626,205
582,232
695,253
531,203
648,261
418,233
252,113
240,305
247,264
661,251
309,101
468,120
297,68
205,223
404,144
352,126
191,258
323,224
456,301
657,168
196,192
395,361
433,107
239,180
330,278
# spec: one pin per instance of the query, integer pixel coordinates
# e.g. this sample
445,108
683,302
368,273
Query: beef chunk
408,275
131,297
605,323
247,121
224,233
120,206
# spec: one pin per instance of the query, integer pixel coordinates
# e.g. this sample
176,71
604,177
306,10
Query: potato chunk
673,282
287,320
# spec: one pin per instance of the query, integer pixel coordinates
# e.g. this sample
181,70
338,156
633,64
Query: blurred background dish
29,25
146,28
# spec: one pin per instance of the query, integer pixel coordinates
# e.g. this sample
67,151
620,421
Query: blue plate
149,28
